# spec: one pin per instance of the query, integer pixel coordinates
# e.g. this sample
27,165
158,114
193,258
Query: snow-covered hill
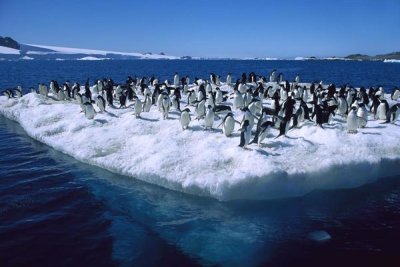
34,51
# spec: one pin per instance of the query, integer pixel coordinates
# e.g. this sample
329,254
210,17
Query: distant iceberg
391,61
93,58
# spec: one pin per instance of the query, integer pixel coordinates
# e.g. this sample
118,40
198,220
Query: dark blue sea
56,211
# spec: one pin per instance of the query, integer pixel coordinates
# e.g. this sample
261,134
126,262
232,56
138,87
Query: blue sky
214,28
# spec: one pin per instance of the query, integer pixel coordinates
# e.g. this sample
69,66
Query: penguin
238,101
200,109
242,88
228,124
147,104
245,134
218,96
209,118
61,95
166,104
175,103
262,132
138,107
191,97
18,91
7,93
382,110
272,76
393,113
101,103
229,79
185,118
352,121
395,94
248,116
160,100
362,114
89,110
176,79
342,105
122,99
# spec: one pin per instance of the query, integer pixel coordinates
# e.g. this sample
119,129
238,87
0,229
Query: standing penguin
228,124
200,109
176,79
89,110
245,134
382,110
101,103
395,94
393,113
185,118
352,120
362,114
147,103
138,107
262,132
209,118
166,104
238,101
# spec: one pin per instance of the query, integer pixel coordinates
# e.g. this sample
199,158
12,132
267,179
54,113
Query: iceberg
206,163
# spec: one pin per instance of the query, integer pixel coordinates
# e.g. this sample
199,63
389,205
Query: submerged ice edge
189,162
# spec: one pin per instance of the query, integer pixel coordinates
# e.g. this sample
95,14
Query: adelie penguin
262,132
352,120
137,107
395,94
209,118
393,113
89,110
166,104
245,134
382,110
228,124
101,103
185,118
362,114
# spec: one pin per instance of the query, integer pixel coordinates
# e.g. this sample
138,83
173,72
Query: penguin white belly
209,119
147,105
352,122
185,120
165,108
200,96
228,126
200,110
262,136
381,112
362,115
159,102
89,111
61,95
138,108
218,97
238,102
396,95
247,136
100,104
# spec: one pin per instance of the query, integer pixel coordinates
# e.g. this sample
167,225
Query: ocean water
56,211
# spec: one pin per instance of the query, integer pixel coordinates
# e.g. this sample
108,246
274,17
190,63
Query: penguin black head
361,105
187,110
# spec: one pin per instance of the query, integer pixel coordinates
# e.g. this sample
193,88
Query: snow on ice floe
207,163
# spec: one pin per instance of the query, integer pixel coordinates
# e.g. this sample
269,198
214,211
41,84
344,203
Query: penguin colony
264,103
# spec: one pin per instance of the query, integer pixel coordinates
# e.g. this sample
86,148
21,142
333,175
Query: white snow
391,61
206,162
92,58
7,50
69,50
